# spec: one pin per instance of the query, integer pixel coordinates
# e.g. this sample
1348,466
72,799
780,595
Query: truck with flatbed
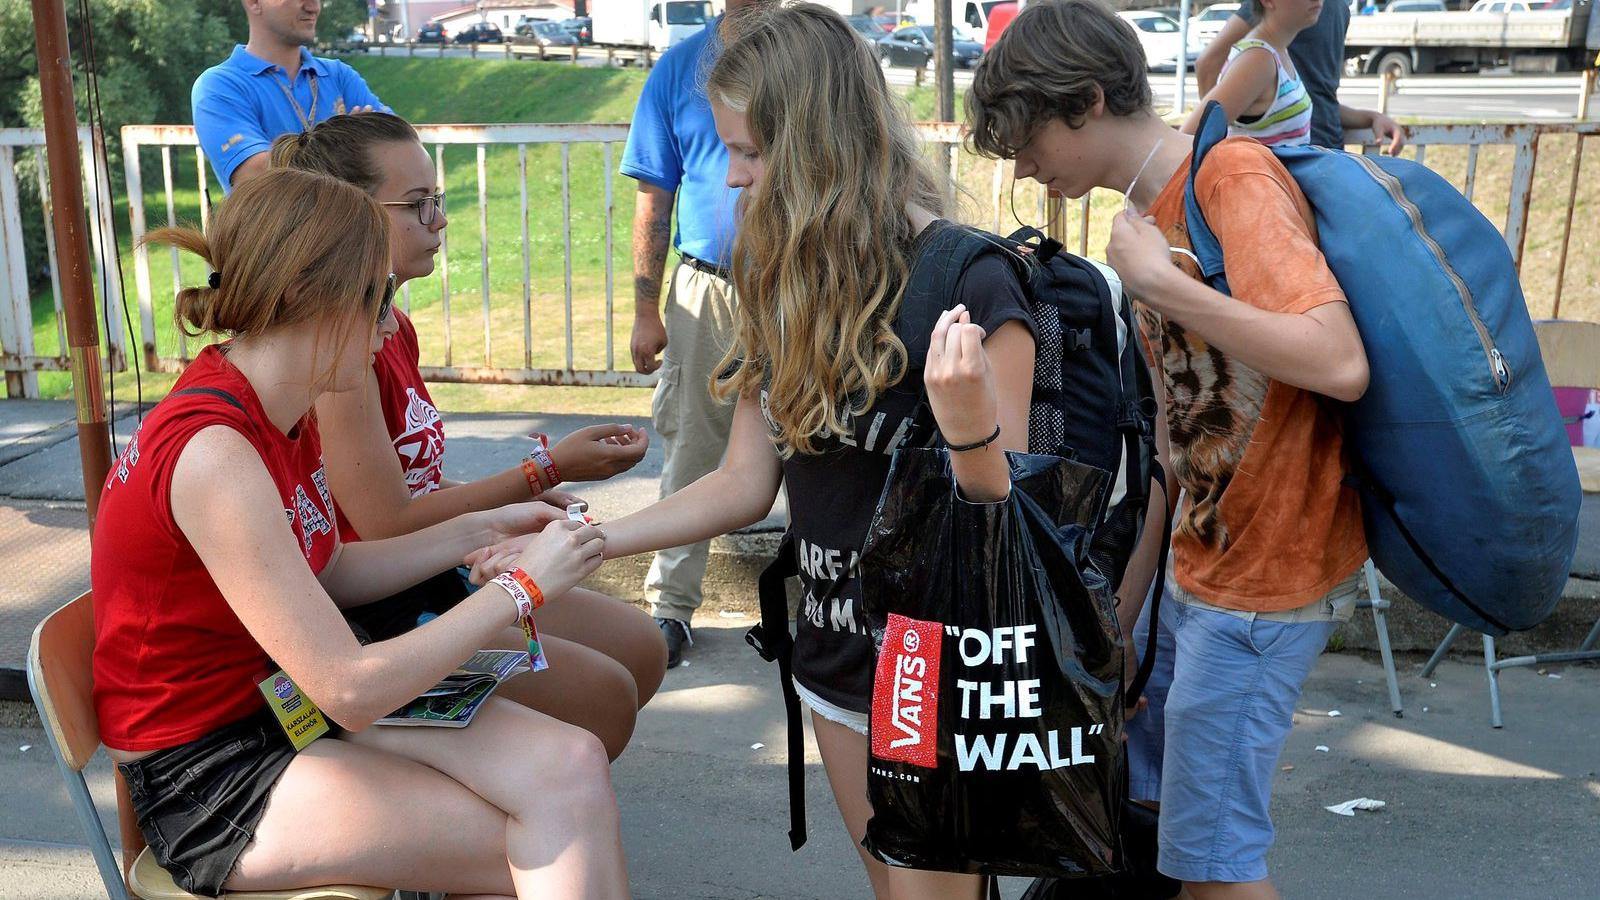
1536,40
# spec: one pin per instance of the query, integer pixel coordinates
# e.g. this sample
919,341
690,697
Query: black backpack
1092,402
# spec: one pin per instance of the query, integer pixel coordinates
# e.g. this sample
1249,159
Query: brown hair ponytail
342,147
287,247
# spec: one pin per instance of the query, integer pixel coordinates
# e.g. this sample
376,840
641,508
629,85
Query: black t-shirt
832,495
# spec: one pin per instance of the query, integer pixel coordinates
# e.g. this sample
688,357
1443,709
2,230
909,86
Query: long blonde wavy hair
824,243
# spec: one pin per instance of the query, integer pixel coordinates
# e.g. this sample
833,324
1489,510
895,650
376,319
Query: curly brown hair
1057,58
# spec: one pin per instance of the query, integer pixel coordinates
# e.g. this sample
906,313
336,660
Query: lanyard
306,119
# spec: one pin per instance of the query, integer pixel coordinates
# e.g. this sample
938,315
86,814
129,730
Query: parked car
889,21
551,34
355,41
1415,6
1208,24
1160,38
1001,15
867,27
433,33
580,27
480,33
913,47
524,26
1501,6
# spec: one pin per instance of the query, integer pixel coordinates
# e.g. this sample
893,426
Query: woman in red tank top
384,449
218,579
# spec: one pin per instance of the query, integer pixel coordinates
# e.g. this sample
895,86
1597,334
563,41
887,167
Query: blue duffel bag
1469,491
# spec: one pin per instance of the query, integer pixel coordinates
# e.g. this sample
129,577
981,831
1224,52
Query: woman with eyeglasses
218,579
384,446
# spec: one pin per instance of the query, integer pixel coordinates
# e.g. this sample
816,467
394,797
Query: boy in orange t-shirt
1268,542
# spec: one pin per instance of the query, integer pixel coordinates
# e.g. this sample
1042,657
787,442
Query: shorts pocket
1264,634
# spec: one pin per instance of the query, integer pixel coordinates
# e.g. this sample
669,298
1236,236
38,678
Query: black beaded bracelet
959,448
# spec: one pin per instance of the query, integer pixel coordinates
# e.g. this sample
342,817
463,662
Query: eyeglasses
427,207
387,303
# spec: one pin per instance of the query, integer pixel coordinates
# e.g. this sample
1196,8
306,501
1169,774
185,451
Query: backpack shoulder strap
1207,249
772,640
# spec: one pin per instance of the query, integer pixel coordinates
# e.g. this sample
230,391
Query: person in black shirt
836,200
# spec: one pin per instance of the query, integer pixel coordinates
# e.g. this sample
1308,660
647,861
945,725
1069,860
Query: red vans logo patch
905,693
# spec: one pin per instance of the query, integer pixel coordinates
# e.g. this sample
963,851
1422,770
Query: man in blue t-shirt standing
269,87
674,153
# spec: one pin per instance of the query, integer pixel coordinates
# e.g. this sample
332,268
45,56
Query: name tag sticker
302,722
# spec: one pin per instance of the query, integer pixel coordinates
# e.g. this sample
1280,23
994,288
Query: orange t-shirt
1268,524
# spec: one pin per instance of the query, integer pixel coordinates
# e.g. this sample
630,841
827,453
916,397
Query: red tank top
408,410
171,660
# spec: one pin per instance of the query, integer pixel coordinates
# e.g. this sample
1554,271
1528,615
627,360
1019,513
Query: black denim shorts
198,803
395,615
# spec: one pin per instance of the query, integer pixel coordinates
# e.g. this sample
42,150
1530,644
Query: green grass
487,91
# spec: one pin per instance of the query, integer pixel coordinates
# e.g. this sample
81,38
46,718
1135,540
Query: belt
698,264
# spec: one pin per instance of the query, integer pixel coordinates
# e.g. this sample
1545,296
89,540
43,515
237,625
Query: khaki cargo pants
693,426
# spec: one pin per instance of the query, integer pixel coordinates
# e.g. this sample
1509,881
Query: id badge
302,722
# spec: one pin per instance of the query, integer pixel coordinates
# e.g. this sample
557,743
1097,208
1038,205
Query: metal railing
587,294
18,355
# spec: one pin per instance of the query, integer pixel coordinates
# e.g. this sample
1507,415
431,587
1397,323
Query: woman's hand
557,558
598,452
1139,252
959,380
516,519
562,499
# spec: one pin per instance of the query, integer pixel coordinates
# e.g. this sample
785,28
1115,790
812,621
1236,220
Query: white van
657,24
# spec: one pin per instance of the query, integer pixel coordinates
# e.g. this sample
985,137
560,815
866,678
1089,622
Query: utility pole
943,50
1179,88
72,246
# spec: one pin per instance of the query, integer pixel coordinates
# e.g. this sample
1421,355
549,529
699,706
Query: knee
647,661
617,696
583,771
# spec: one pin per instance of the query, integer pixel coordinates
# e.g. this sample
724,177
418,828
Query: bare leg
518,803
614,628
582,687
844,756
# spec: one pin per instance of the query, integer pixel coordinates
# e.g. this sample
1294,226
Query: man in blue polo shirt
269,87
674,152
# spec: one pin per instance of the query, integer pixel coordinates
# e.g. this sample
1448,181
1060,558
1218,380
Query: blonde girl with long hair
218,581
837,200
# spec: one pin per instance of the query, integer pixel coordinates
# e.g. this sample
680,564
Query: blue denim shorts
1222,699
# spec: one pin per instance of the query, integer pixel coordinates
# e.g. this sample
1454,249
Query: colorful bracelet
552,475
530,471
519,593
526,580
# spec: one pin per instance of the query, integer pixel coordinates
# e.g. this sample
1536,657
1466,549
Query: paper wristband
528,585
542,456
530,471
519,594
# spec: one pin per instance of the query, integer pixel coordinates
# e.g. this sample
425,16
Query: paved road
1472,97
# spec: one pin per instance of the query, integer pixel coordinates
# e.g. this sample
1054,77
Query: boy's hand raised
1140,254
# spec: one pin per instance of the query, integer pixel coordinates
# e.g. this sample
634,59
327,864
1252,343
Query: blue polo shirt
673,144
240,106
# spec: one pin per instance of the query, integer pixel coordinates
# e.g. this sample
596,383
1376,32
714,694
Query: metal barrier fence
19,356
541,258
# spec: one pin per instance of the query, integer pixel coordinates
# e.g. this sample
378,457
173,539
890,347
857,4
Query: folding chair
60,678
1571,353
1380,623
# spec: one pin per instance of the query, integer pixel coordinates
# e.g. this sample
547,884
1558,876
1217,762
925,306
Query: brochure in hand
454,701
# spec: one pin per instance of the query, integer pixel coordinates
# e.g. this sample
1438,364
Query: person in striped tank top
1259,87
